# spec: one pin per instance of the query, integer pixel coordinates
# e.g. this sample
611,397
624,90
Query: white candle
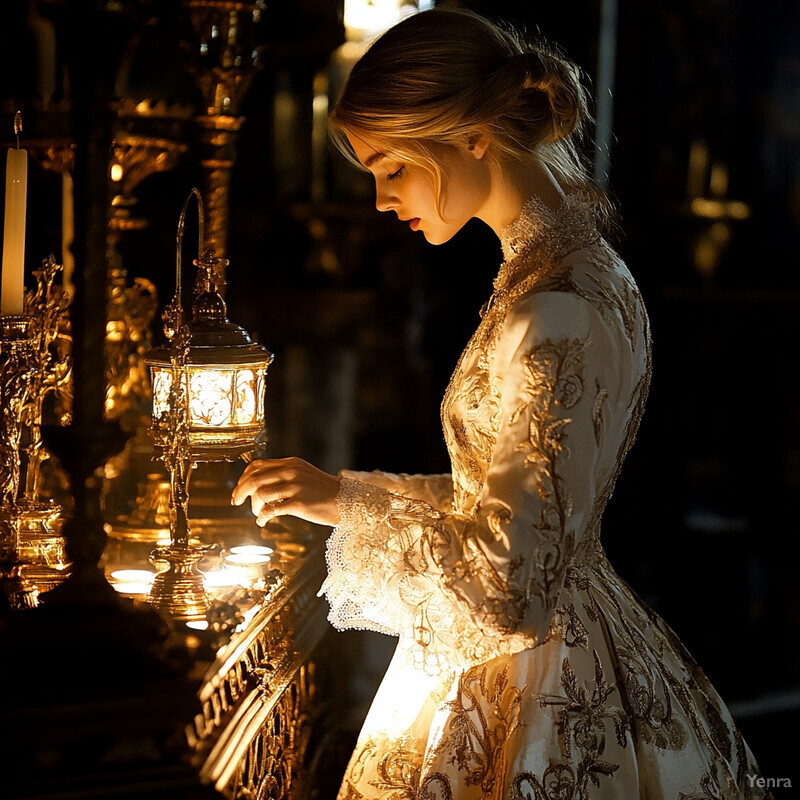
13,283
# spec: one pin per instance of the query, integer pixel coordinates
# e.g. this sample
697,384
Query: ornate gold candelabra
36,361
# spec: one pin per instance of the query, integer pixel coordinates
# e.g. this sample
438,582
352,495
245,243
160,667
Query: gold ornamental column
147,140
131,308
227,58
219,134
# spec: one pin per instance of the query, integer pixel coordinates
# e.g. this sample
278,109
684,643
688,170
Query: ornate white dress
526,667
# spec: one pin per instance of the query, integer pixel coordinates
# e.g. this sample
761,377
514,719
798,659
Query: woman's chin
438,237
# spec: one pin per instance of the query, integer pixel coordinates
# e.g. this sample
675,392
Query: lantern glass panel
211,397
246,405
162,383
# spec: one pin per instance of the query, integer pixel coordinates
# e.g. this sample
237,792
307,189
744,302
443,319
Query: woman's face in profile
409,190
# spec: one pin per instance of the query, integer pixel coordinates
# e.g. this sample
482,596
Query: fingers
266,496
259,474
269,511
288,486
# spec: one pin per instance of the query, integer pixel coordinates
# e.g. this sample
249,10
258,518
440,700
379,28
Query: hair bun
559,80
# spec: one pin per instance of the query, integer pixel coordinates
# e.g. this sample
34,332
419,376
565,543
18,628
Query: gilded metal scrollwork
131,309
260,698
36,361
15,372
272,765
48,307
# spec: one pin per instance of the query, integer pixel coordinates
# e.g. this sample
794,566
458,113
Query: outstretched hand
288,486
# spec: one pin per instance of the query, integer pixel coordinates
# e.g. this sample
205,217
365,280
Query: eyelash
395,175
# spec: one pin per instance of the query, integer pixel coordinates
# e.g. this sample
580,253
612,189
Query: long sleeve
465,588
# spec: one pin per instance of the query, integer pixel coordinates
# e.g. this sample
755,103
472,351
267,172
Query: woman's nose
385,200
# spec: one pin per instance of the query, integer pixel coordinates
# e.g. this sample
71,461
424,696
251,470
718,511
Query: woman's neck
512,187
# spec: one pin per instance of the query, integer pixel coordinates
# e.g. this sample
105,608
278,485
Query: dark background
367,320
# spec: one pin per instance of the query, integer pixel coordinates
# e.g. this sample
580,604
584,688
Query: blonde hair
440,75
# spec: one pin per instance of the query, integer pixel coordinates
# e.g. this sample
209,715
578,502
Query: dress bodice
545,250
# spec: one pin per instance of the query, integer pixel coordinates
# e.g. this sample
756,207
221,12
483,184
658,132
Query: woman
525,668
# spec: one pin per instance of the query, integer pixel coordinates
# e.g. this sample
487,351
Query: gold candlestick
42,546
36,361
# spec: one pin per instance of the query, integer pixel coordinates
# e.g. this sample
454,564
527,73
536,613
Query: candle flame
17,126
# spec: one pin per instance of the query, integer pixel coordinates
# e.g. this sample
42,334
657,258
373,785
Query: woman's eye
395,175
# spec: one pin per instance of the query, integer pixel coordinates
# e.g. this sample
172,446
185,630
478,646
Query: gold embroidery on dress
710,790
398,774
394,771
544,235
566,626
581,723
484,715
554,377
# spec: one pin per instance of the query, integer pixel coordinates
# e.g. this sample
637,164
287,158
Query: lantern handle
200,238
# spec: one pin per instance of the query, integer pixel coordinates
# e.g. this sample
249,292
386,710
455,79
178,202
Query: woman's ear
478,144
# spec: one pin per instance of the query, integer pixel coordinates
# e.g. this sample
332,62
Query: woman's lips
414,223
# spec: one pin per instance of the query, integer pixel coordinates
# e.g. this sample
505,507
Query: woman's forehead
367,150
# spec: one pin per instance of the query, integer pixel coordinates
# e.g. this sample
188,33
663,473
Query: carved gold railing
261,698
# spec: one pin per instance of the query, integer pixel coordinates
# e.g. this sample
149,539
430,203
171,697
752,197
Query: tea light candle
12,290
132,581
250,554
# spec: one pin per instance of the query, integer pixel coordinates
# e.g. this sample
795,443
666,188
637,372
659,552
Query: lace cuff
354,557
382,577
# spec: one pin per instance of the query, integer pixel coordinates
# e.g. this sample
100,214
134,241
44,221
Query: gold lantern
208,405
224,372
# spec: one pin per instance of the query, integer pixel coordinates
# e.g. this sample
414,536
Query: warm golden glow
370,16
711,208
246,405
223,578
247,616
116,172
115,330
133,575
410,683
246,559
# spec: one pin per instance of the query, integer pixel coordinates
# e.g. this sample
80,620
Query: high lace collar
541,236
